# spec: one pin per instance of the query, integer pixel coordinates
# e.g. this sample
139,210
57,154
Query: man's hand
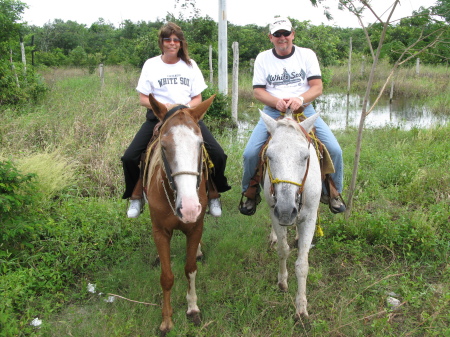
282,105
294,103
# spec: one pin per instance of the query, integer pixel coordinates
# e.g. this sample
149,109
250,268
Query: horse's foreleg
306,233
193,246
199,254
272,237
283,254
162,241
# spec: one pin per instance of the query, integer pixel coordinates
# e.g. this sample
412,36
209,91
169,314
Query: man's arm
315,90
294,103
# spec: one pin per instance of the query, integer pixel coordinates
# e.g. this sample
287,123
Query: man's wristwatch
302,99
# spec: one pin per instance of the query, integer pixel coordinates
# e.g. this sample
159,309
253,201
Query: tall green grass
74,232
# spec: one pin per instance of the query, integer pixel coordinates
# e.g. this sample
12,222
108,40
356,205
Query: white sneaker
135,208
215,209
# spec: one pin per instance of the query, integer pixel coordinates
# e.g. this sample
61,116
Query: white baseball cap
280,23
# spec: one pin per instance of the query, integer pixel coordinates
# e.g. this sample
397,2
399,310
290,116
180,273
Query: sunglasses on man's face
284,33
169,39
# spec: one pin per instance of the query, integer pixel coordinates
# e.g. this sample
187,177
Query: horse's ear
271,124
199,111
308,123
159,109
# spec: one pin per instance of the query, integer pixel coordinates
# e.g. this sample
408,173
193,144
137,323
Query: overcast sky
239,12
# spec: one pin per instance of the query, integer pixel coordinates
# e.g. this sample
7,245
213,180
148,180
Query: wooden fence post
14,69
417,66
235,85
101,74
363,65
211,71
391,95
24,58
349,75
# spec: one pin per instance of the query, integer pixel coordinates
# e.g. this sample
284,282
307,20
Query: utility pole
223,52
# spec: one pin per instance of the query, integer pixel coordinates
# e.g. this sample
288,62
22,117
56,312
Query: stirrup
245,210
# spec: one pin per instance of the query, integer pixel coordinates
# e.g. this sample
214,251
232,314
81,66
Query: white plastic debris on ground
392,302
36,322
91,288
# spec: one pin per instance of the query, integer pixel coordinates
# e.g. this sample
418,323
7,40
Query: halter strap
301,185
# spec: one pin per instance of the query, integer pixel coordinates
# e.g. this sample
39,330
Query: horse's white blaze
192,295
288,153
187,152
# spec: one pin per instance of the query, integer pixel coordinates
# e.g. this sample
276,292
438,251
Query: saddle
325,162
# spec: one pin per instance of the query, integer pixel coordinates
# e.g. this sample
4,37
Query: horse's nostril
275,212
179,212
294,213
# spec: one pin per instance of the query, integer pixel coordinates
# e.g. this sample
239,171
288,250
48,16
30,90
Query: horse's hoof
200,258
301,317
156,262
303,321
195,318
163,333
283,287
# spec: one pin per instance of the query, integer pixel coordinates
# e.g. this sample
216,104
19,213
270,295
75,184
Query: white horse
292,188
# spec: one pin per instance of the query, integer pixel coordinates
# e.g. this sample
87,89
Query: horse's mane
153,159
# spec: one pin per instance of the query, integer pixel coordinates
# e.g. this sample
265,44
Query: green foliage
16,86
10,12
219,113
13,184
72,240
52,58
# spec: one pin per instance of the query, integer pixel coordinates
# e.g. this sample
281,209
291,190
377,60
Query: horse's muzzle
285,215
189,210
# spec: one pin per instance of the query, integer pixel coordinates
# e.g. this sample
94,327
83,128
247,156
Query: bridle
169,174
301,186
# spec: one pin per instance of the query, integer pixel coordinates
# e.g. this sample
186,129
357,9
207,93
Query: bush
16,87
13,189
219,113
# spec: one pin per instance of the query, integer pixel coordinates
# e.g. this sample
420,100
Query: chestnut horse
175,187
292,188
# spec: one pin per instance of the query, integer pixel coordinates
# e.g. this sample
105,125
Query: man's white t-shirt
171,83
286,76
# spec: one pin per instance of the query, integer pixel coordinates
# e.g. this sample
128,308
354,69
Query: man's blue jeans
260,135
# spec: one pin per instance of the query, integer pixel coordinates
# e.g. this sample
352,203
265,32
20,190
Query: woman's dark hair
166,31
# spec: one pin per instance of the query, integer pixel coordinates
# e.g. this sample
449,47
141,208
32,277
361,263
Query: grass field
72,231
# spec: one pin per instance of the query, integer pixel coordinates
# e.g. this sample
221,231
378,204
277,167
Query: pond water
402,113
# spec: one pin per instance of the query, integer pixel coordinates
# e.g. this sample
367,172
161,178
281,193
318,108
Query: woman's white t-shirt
171,83
286,76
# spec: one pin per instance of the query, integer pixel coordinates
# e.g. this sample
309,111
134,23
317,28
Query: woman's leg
218,157
132,156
